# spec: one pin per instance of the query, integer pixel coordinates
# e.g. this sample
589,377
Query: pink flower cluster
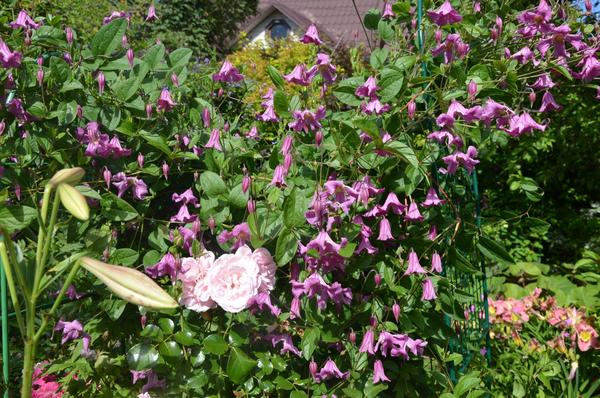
231,281
44,385
571,322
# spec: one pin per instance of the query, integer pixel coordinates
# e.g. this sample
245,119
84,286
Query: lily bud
101,82
130,56
396,311
472,89
73,201
67,176
69,34
246,181
129,284
107,177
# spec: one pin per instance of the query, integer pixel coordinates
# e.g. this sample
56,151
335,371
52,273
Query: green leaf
294,207
373,390
184,337
310,339
287,245
465,384
142,356
345,91
215,344
108,38
494,250
406,62
403,151
237,197
170,350
275,76
15,218
298,394
385,31
371,19
391,83
166,325
154,55
124,256
378,57
116,209
156,141
212,184
152,332
179,57
281,102
239,365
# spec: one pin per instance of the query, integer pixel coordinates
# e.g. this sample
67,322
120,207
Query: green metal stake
4,311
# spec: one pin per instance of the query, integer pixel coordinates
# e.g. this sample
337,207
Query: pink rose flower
193,275
234,279
266,269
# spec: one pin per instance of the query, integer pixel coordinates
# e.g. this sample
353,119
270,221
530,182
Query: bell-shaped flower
548,103
300,75
311,36
165,102
436,262
445,15
8,58
414,266
24,21
432,198
378,372
228,74
428,290
214,141
367,89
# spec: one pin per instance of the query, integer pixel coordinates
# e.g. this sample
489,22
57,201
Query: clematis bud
532,97
212,224
413,23
40,76
318,138
18,191
124,41
107,177
140,160
226,127
472,89
246,181
101,82
165,170
251,206
220,93
2,126
494,34
40,61
151,13
27,40
206,117
67,57
438,36
411,109
130,57
377,279
499,24
149,110
79,111
588,6
373,322
69,34
352,337
477,7
396,311
175,80
313,369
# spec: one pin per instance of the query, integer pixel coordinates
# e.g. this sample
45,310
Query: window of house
279,29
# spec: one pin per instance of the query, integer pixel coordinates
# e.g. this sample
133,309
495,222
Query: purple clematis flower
432,198
24,21
388,13
368,88
521,124
9,59
428,290
286,340
71,330
378,372
151,13
228,74
311,36
122,182
557,37
165,102
214,141
548,103
116,15
374,106
453,45
240,234
414,266
330,371
445,15
307,120
168,265
300,75
325,68
535,21
368,342
591,66
436,262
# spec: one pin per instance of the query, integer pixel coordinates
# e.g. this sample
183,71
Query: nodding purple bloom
40,76
325,68
366,190
368,88
556,39
99,144
206,117
548,103
165,102
525,55
447,138
387,11
411,109
330,371
69,35
374,106
151,13
71,330
9,59
214,140
116,15
414,266
378,373
436,262
432,234
122,182
453,45
521,124
24,21
278,179
130,56
107,175
286,340
300,75
246,181
186,198
168,265
253,133
413,213
261,301
385,230
496,111
240,234
472,89
543,82
445,15
311,36
286,146
16,108
466,159
393,203
368,342
101,82
2,126
428,290
535,21
228,74
591,66
307,120
399,345
269,115
432,199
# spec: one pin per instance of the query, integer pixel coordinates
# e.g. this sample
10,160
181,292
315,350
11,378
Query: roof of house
336,20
